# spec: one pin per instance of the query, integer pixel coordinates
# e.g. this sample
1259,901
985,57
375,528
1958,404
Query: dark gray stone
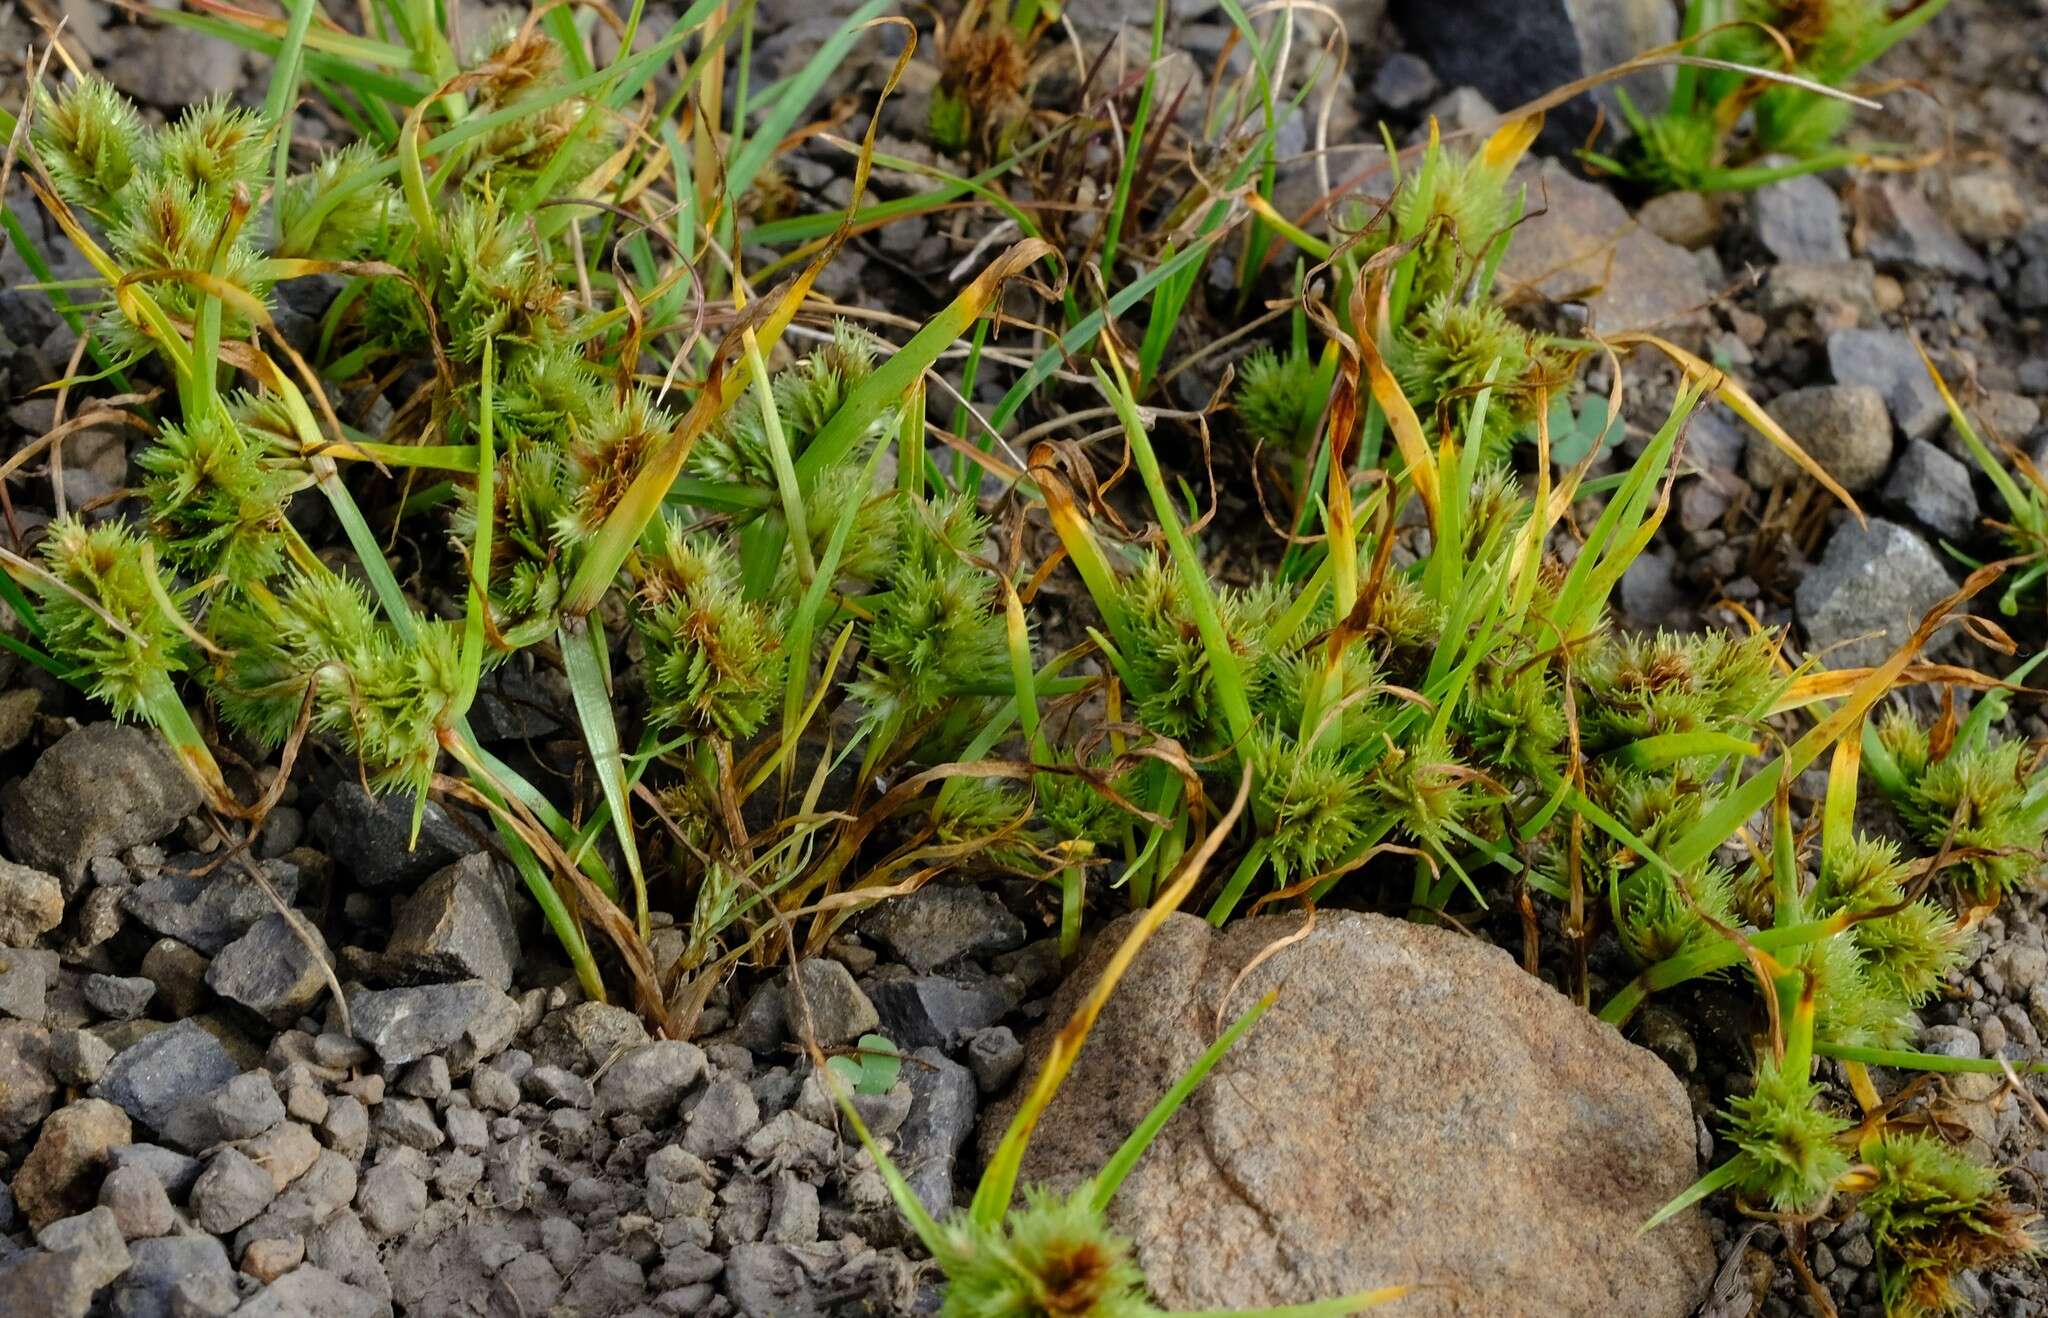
457,926
230,1192
191,1267
937,1010
822,1003
607,1284
173,1170
246,1106
209,912
650,1080
722,1119
465,1022
934,926
942,1110
1887,361
103,788
272,970
1554,41
407,1121
1868,592
1934,489
118,997
1403,81
164,1080
995,1055
1799,221
768,1281
370,836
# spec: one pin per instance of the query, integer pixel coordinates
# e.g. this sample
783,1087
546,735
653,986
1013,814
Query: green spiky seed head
1444,357
936,628
217,498
216,148
1424,788
110,617
1313,805
1975,799
1649,686
603,462
714,659
386,697
90,139
1904,739
1054,1258
1274,394
494,283
1660,919
1936,1213
1178,696
1789,1141
330,213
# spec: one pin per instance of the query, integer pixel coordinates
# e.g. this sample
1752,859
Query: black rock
209,912
272,970
934,926
457,926
942,1111
164,1081
937,1010
370,837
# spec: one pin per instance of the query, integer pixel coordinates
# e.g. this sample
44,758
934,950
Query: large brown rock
1580,244
1414,1109
61,1175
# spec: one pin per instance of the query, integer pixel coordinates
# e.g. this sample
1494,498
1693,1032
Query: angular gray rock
230,1192
1934,489
650,1080
103,788
943,1103
457,926
722,1119
91,1238
164,1081
194,1267
246,1106
1490,1102
1868,592
821,1002
1896,225
139,1203
1799,221
1887,361
118,997
209,912
25,975
937,1010
271,970
465,1022
936,925
1843,427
